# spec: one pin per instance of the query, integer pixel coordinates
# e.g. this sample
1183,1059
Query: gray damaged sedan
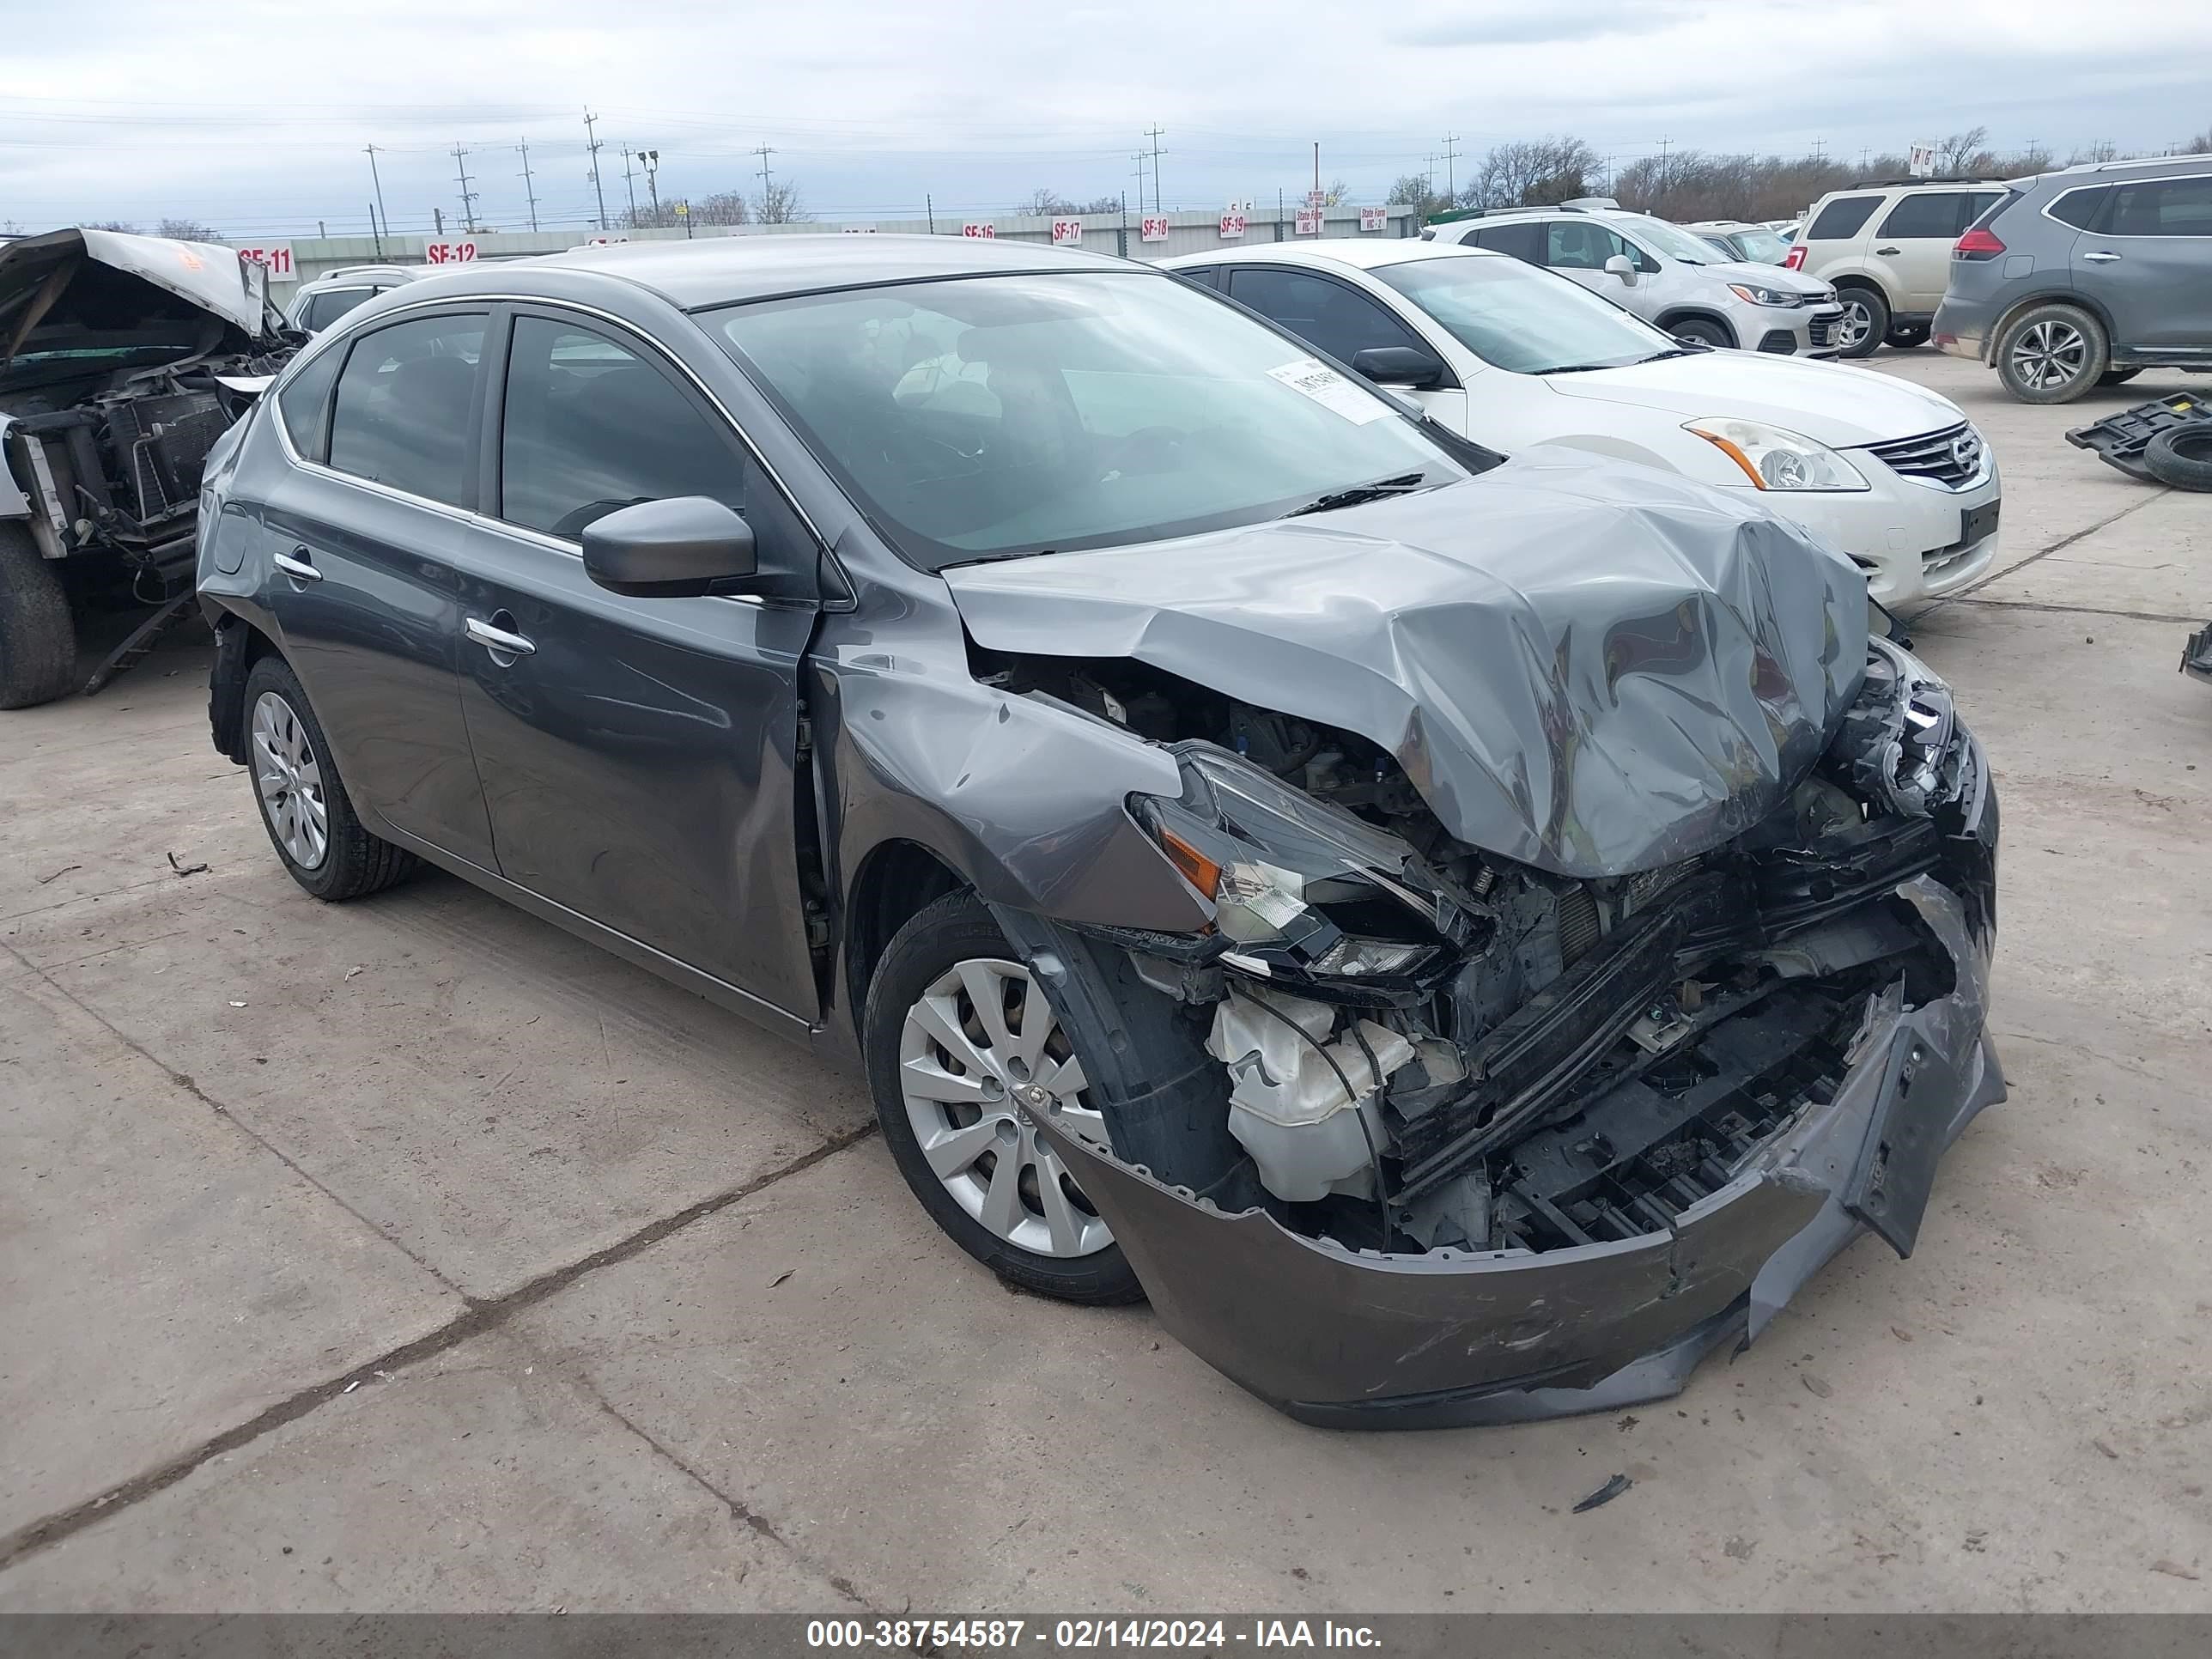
1464,937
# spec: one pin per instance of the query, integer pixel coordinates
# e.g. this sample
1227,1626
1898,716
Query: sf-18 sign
277,256
454,253
1156,228
1067,230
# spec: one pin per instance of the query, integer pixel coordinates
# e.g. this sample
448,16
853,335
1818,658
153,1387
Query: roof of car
1363,254
725,269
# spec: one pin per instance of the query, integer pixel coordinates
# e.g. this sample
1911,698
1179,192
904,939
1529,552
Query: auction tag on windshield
1330,390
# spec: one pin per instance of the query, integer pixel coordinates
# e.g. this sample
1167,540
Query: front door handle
1887,252
2105,258
498,640
295,565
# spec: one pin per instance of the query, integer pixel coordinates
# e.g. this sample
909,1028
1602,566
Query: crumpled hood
1833,404
154,273
1588,666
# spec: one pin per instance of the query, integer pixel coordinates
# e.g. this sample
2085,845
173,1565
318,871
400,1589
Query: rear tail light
1794,260
1976,243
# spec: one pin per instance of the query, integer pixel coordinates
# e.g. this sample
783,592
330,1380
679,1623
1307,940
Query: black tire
1865,323
38,636
354,861
2117,376
2182,457
1698,328
2051,354
1905,335
955,929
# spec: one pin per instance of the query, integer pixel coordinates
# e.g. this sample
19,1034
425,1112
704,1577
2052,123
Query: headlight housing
1303,891
1751,293
1773,457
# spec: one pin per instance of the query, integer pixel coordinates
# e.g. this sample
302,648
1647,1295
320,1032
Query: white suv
1886,249
1516,359
1664,274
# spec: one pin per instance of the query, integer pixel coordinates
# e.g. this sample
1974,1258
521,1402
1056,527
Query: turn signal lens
1199,871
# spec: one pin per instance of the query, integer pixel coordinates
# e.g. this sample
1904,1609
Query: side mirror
1622,266
678,548
1405,365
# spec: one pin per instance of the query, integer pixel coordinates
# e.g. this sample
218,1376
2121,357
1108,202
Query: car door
365,595
637,754
2149,259
1338,318
1913,243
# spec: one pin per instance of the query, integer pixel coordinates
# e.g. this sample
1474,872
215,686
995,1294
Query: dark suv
2086,277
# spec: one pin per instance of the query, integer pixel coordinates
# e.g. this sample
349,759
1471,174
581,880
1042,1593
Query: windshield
1672,241
1515,316
996,415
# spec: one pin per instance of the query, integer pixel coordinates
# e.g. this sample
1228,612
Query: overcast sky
139,109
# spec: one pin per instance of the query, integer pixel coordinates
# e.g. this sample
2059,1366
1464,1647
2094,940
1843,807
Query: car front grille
1953,458
1822,330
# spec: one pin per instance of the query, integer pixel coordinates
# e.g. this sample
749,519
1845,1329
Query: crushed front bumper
1453,1338
2196,655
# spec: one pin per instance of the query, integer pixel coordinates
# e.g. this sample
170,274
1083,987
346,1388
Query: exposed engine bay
1425,1046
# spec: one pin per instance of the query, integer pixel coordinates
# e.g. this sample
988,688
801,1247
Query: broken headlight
1301,889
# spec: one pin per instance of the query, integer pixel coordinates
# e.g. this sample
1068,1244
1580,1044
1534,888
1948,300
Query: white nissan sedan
1511,357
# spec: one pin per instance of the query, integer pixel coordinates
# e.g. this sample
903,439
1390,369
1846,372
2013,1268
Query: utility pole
650,161
375,230
1451,165
529,187
765,151
383,211
591,144
438,218
1665,172
630,185
1154,134
468,196
1139,158
1317,166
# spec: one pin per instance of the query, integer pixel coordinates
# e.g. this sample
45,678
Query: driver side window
590,426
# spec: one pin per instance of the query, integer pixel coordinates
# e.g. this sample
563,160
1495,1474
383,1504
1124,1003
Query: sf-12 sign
1067,230
277,256
1375,218
977,227
454,253
1232,226
1155,229
1308,222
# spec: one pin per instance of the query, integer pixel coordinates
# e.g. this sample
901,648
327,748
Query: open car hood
70,290
1590,667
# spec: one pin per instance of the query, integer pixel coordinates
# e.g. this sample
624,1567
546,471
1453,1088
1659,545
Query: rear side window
304,406
2161,207
1523,241
591,426
1934,213
326,308
2078,208
1204,276
401,416
1845,217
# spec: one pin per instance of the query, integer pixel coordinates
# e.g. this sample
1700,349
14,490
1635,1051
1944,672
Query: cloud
1540,25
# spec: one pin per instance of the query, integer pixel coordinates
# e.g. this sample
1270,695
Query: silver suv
1664,274
1887,248
2086,277
331,295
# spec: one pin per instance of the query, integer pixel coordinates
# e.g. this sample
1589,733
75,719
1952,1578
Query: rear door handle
294,564
498,640
1887,252
2105,258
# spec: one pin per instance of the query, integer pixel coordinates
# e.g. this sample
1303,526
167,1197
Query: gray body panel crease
1586,667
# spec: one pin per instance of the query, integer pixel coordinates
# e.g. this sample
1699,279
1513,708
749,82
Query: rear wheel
303,805
2117,376
1864,324
37,637
2051,354
1905,335
957,1036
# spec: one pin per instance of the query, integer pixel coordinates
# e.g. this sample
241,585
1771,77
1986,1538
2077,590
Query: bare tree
123,225
1415,190
778,204
723,207
188,230
2200,145
2103,150
1956,154
1532,173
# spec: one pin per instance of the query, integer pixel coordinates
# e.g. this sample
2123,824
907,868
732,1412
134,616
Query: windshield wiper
1674,351
1359,493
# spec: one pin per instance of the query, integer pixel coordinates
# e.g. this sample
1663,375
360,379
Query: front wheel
2051,354
1864,324
957,1035
1904,335
37,637
1696,328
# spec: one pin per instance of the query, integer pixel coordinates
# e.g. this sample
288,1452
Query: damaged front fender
1453,1338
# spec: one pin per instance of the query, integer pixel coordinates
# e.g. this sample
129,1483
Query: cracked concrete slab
165,1278
480,1481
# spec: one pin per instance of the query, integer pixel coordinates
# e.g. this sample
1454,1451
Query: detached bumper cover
1454,1339
2196,655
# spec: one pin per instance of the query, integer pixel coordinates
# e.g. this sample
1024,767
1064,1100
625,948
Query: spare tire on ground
2182,457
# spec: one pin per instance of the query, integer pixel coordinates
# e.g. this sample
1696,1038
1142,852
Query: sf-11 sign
277,256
